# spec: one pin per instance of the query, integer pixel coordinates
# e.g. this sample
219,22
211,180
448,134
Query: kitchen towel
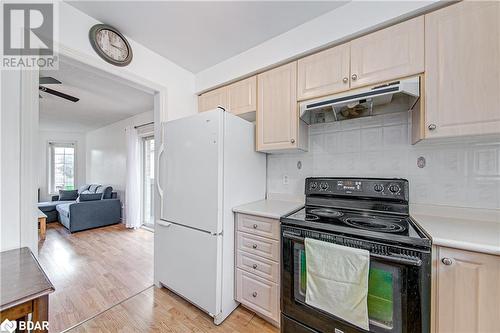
337,280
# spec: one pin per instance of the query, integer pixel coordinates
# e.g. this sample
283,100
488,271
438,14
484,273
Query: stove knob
313,186
378,187
323,186
394,188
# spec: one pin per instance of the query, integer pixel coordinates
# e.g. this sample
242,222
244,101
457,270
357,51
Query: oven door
390,303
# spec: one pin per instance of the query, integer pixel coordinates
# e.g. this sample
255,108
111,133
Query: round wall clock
110,45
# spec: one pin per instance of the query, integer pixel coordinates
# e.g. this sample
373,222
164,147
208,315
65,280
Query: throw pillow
68,195
90,197
94,187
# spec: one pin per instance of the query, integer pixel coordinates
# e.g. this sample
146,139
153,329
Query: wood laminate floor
159,310
93,270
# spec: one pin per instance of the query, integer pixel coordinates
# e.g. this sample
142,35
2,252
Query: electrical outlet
285,180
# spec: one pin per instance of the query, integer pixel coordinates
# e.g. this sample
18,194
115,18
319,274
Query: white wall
107,153
73,33
343,23
63,137
463,174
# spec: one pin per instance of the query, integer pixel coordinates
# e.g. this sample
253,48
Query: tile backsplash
462,174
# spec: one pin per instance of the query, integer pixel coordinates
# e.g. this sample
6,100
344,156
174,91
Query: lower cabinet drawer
263,247
258,294
264,268
260,226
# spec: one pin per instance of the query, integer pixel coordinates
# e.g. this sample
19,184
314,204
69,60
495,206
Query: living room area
95,190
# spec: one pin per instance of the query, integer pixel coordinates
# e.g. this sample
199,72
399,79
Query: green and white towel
337,280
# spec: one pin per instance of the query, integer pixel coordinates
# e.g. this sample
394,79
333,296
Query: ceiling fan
50,80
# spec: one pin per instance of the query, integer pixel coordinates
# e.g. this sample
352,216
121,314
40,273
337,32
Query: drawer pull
254,266
255,226
254,294
254,246
447,261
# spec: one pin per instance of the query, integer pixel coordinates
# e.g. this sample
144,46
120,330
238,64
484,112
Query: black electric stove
366,213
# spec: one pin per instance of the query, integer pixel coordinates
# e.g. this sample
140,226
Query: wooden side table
25,288
42,220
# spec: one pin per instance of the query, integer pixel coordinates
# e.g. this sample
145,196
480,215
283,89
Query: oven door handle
396,259
293,236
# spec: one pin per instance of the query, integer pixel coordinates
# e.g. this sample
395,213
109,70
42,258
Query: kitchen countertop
269,208
462,228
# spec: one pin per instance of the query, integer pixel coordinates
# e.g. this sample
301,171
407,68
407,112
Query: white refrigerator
207,165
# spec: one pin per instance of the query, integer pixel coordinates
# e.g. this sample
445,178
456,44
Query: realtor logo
8,326
28,28
28,35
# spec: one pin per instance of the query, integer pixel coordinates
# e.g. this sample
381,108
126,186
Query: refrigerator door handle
158,159
163,223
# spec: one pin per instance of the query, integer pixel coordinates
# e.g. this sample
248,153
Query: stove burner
326,212
310,217
368,223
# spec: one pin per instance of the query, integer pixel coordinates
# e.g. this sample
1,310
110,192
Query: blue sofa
76,215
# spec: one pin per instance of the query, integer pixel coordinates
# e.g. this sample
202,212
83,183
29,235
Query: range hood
392,97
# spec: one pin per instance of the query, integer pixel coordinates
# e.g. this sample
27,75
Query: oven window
380,297
384,291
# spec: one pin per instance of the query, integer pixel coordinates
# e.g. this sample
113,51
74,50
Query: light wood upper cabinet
242,96
391,53
462,60
467,292
277,113
213,99
324,73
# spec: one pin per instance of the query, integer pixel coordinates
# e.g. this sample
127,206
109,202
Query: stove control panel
384,188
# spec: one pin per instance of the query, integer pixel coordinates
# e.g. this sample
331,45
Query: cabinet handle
292,140
254,266
354,77
345,80
431,127
255,226
447,261
254,294
254,246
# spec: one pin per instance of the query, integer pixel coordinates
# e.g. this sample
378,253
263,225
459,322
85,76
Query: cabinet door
462,60
212,99
277,116
468,292
242,96
323,73
388,54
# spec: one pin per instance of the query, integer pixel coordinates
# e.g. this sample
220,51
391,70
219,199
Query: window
148,149
62,167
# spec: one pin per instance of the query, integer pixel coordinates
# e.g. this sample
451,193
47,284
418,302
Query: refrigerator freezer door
188,264
191,171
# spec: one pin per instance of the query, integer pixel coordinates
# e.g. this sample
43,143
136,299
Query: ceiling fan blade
58,94
48,80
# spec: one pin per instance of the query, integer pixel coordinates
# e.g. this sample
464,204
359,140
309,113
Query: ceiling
103,100
198,35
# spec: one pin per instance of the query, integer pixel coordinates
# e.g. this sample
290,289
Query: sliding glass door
148,181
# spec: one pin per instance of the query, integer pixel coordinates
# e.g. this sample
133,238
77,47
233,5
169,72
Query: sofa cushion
89,197
51,205
63,209
67,195
47,206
